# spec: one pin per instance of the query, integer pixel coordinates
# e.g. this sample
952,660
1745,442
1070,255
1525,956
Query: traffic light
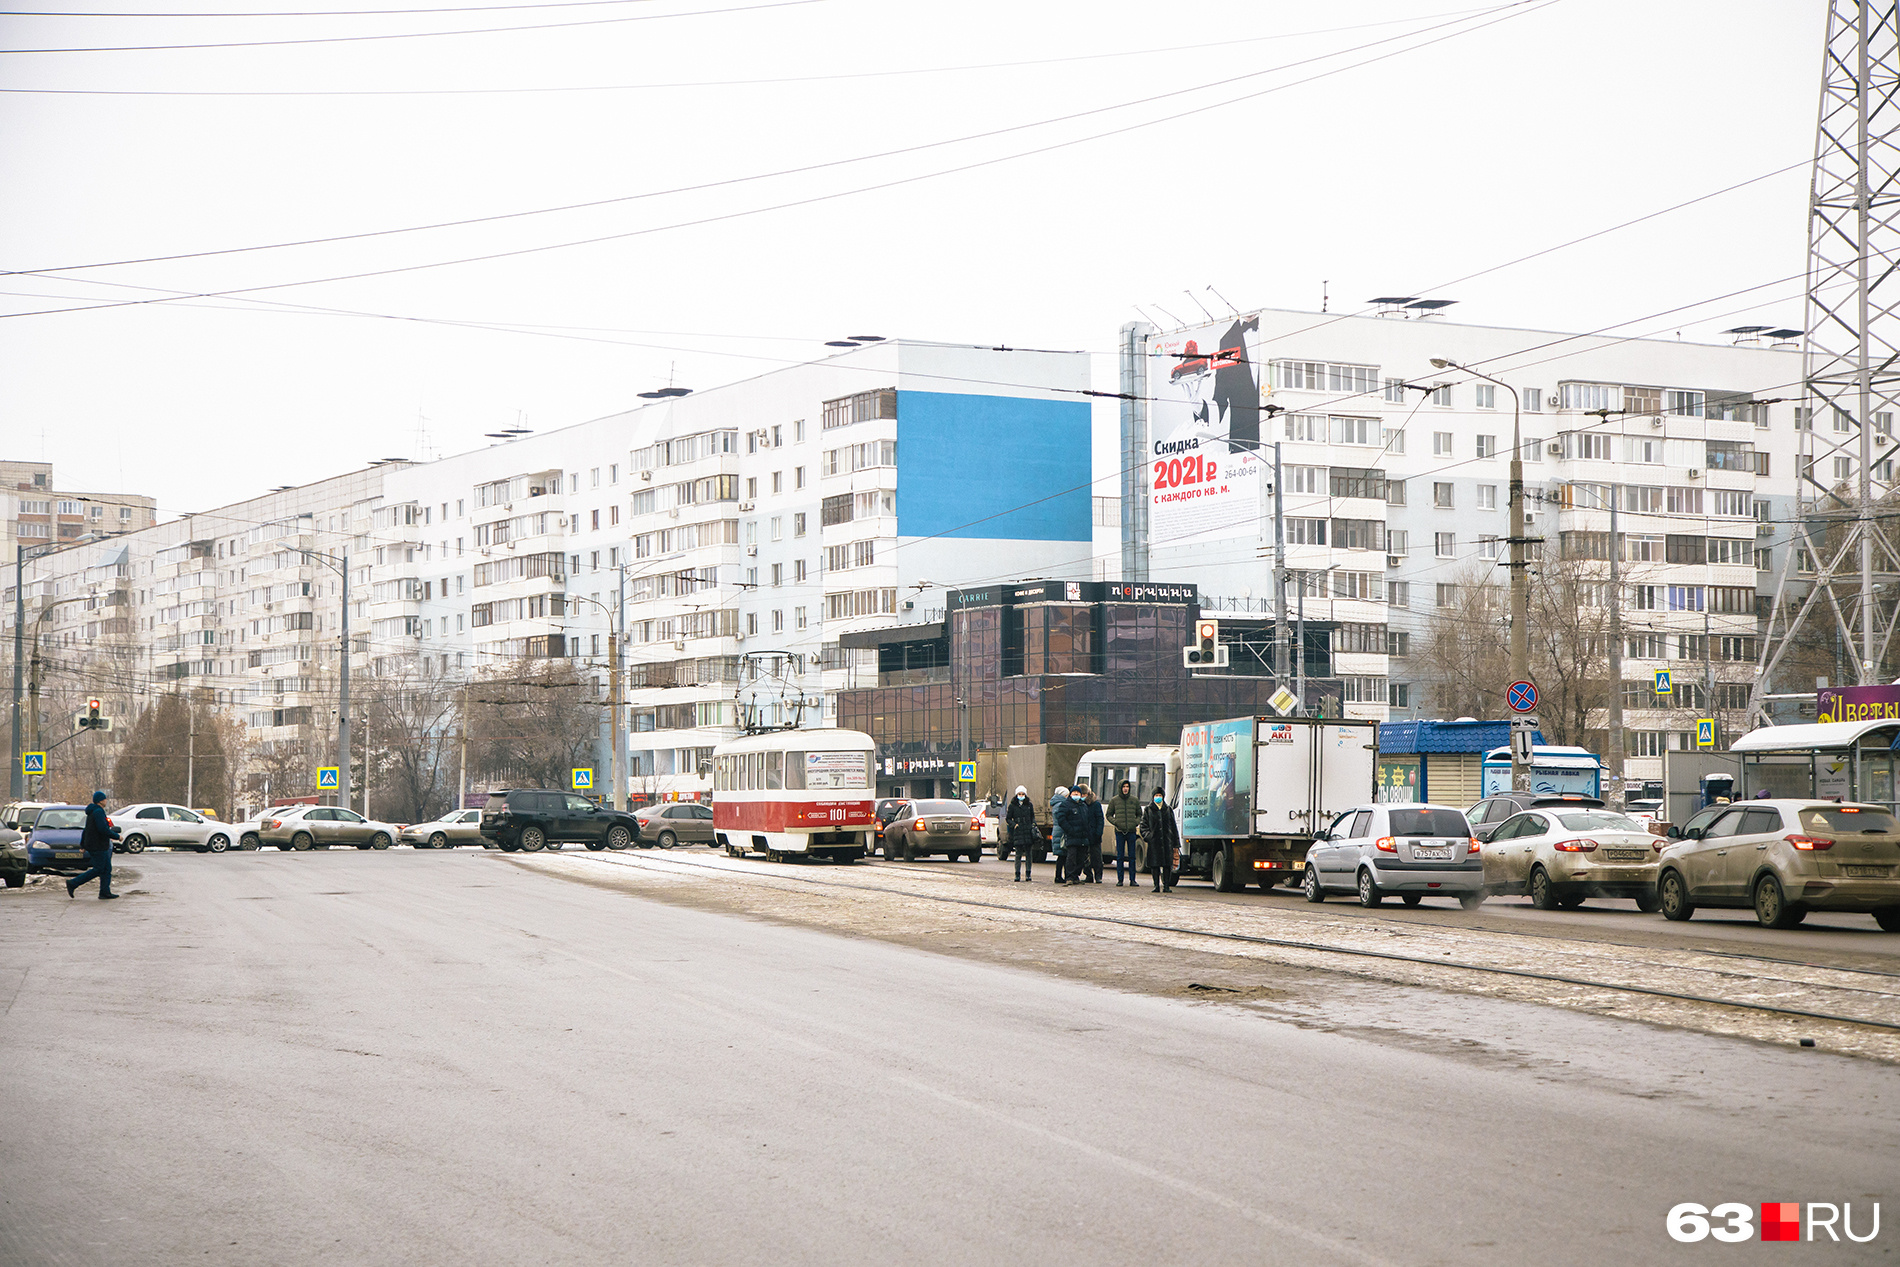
92,714
1205,651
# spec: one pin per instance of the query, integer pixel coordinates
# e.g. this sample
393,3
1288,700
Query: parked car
246,834
172,826
1562,856
533,819
457,827
1784,858
53,844
1411,851
886,810
926,827
321,826
273,824
1490,814
13,863
668,825
19,815
991,832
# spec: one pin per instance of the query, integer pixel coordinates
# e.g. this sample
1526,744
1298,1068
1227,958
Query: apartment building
1396,490
42,513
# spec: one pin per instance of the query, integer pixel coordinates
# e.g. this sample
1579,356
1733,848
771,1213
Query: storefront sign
1857,703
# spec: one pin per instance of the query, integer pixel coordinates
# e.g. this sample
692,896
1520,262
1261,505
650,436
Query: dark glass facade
1056,662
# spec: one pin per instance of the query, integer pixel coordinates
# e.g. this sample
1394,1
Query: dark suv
530,820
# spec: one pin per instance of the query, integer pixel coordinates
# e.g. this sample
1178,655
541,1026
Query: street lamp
616,620
1520,577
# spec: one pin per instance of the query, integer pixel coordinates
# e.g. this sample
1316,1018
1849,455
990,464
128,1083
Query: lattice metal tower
1851,367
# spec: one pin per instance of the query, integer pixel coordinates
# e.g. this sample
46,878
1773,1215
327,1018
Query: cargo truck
1041,768
1254,790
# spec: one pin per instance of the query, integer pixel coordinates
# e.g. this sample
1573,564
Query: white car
173,826
991,832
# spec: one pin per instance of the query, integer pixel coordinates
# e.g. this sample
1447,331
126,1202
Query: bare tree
533,724
411,720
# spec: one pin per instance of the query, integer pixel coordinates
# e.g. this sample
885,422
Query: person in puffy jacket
1124,815
1163,837
1098,825
1075,823
1056,843
1020,822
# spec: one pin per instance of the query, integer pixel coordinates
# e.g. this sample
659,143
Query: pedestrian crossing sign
1664,684
33,762
329,778
583,780
966,771
1705,732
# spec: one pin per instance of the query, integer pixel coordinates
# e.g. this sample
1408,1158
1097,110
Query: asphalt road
450,1058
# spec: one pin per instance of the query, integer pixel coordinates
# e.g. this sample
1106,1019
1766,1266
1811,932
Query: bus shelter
1848,760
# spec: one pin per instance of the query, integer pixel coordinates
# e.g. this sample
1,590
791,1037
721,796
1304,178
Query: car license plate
1624,855
68,853
1865,872
1425,853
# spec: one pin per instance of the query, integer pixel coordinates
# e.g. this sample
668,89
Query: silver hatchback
1409,851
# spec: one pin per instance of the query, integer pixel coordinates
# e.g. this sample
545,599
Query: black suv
530,820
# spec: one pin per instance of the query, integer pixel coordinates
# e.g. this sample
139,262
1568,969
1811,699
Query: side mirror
1323,835
1674,832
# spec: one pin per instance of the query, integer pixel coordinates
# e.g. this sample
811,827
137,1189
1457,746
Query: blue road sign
33,762
328,779
584,780
966,771
1665,685
1705,732
1522,696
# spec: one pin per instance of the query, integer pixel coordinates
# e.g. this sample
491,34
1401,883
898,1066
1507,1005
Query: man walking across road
1092,858
96,839
1057,845
1124,815
1072,821
1020,823
1164,841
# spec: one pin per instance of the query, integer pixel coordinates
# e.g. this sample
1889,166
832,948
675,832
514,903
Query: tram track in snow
1727,973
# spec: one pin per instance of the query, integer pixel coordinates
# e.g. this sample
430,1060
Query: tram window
795,771
775,771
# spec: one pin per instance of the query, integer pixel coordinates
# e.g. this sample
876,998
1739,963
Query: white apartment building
1396,488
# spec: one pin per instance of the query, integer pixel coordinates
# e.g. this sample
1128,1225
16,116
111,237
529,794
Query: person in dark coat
1073,821
1098,827
1020,822
1057,846
96,839
1124,815
1163,839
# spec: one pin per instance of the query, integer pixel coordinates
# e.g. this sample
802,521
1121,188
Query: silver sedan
173,826
457,827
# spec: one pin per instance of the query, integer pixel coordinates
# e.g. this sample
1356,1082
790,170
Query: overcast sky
1428,142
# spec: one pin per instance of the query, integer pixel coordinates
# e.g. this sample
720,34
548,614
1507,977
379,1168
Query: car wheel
16,879
134,844
1672,897
1221,871
1649,904
249,840
438,841
618,837
668,839
533,839
302,841
379,841
976,854
1889,919
1471,901
218,843
1543,896
509,846
910,850
1571,902
1369,894
1411,899
1772,908
1310,885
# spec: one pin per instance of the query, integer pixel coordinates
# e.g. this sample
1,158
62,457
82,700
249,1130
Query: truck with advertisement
1254,790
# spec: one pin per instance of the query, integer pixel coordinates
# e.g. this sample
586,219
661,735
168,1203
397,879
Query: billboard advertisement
1217,778
1204,468
1857,703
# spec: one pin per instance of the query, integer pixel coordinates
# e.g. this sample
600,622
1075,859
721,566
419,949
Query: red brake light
1385,844
976,824
1473,844
1580,845
1808,842
272,824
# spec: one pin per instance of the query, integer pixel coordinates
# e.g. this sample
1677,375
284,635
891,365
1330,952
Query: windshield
1846,818
1599,822
58,818
1428,822
926,808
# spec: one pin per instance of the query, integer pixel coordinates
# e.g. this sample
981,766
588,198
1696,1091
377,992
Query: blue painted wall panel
992,466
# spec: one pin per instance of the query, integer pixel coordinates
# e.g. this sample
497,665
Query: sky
769,174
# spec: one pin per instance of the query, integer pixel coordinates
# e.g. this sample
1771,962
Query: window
1441,444
1683,404
778,574
1682,548
1354,481
778,621
593,478
1685,598
1843,421
1441,395
1399,695
1305,532
1395,391
1487,547
1395,492
1731,455
1843,468
1487,446
1306,427
1643,499
1487,497
1642,548
1319,376
1447,595
1395,441
1485,396
1445,544
752,488
1359,534
778,482
1354,636
1397,541
752,622
798,432
1589,396
835,510
1803,418
1732,550
1441,495
1732,600
1356,431
798,524
1643,743
1533,398
862,407
1648,647
1398,593
778,527
1684,501
1533,449
1368,585
798,613
798,477
647,502
1304,479
1641,449
1587,444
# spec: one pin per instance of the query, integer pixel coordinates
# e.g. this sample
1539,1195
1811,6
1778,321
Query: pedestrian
1072,820
1023,836
96,839
1092,858
1056,801
1164,841
1124,815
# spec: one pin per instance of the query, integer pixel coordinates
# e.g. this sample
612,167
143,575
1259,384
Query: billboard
1857,703
1217,778
1204,467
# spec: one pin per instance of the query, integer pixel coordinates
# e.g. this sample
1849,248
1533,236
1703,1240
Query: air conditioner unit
744,507
910,604
1551,401
674,513
738,635
1556,450
509,506
1693,473
1656,421
679,644
752,552
1395,560
646,476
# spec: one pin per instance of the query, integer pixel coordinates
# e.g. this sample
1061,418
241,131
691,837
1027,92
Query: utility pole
16,782
1615,722
343,696
1281,664
461,788
191,749
366,717
617,755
